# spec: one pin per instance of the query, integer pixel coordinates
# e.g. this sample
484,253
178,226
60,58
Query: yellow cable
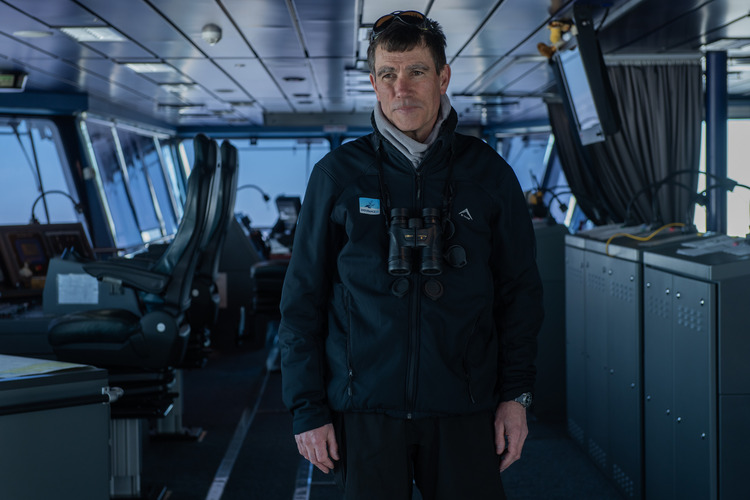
641,238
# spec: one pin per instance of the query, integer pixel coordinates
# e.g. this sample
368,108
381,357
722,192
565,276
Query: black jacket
349,343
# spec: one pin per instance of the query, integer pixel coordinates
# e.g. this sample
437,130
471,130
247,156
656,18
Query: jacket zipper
413,359
349,367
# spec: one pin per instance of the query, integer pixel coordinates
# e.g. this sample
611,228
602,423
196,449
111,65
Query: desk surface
17,366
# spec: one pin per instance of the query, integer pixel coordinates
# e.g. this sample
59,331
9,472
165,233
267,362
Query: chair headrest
205,153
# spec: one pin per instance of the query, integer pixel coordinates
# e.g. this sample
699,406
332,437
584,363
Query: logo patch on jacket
369,206
465,214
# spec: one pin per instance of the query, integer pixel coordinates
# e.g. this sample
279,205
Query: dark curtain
575,164
648,171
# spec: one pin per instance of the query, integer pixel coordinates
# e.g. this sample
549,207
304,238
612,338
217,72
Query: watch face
524,399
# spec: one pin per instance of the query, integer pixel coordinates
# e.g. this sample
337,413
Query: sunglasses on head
408,17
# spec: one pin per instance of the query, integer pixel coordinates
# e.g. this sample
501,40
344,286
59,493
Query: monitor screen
25,258
288,207
25,251
578,89
584,81
30,252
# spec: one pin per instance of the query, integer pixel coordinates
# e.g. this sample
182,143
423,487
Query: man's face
409,89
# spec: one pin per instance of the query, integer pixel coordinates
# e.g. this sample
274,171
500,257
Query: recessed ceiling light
32,34
242,104
197,109
151,68
177,88
93,34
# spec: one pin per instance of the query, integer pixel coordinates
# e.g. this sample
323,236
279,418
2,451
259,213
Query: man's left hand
510,432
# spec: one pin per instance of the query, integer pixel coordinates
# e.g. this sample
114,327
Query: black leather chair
267,279
157,338
204,309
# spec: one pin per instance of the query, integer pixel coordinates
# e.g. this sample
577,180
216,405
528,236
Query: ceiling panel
14,49
330,75
328,28
460,20
294,77
211,77
57,13
69,74
267,26
139,22
256,81
12,20
458,26
126,77
534,81
48,75
508,27
533,73
57,44
653,27
331,11
269,42
64,47
464,71
258,13
680,35
329,39
737,29
121,50
531,111
192,21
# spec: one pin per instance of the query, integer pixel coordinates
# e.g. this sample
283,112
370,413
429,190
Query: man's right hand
319,447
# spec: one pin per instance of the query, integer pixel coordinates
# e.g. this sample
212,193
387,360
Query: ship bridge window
738,200
32,163
274,166
535,161
526,155
139,184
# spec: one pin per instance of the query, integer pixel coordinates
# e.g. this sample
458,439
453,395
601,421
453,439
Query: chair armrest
133,274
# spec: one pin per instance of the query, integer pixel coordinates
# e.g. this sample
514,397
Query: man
412,301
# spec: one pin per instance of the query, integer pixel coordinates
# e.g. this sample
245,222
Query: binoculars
409,235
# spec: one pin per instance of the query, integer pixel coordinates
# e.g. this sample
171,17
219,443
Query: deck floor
246,450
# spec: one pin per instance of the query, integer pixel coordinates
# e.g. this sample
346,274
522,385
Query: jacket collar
440,148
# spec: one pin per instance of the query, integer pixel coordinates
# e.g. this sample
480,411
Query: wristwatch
524,399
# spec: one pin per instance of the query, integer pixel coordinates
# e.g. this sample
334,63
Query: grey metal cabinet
623,370
679,376
603,341
575,349
696,373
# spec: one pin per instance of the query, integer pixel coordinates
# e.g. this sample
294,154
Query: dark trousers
448,458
